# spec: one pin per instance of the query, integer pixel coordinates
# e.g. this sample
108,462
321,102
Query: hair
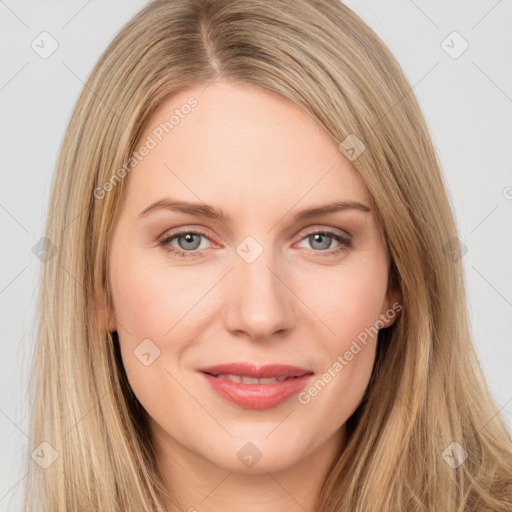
427,389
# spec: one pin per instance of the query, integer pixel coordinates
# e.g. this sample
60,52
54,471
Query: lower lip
257,396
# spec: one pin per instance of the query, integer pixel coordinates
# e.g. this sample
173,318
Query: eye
321,241
188,243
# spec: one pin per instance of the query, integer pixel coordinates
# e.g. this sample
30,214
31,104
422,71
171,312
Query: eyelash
345,243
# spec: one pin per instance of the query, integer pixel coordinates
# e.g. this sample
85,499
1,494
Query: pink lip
257,396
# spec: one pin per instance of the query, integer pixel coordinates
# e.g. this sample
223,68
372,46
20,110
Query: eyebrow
205,210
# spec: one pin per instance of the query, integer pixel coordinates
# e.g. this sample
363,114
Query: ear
392,306
106,319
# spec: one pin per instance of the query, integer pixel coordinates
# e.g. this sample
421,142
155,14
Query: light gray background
467,102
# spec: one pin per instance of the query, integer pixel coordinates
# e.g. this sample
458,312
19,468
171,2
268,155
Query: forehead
240,145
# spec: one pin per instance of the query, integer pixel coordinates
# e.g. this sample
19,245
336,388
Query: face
248,276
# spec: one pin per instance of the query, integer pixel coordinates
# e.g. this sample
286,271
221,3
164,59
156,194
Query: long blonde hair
426,390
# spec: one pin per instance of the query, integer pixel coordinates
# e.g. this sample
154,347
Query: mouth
256,387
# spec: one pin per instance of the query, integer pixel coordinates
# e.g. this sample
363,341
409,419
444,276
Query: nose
260,303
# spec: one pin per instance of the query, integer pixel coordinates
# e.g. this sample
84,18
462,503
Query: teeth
251,380
269,380
234,378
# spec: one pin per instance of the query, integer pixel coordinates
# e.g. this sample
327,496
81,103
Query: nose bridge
260,304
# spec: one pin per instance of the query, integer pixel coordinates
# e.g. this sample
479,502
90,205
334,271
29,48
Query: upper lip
257,372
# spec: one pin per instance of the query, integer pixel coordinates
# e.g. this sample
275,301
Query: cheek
147,306
353,308
350,299
155,303
149,301
351,315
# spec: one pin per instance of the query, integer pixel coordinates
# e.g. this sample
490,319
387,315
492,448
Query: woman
252,303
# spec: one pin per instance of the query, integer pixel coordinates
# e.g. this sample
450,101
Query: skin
260,159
